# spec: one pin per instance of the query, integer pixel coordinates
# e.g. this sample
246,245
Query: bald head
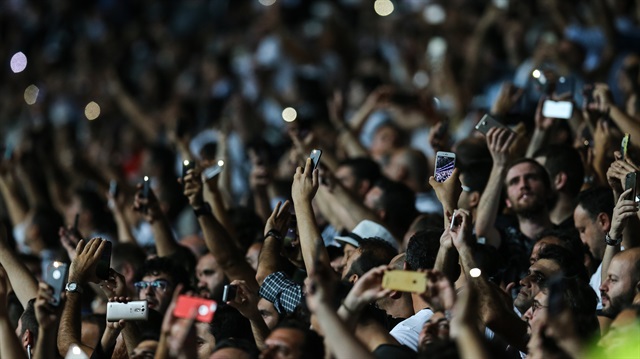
622,283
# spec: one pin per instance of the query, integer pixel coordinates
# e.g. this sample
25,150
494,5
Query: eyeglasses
536,305
160,284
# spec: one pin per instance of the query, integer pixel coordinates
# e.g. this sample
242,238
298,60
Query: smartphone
136,310
104,263
56,277
212,171
146,188
556,298
315,157
455,220
444,128
229,293
186,305
557,109
113,188
445,164
487,122
75,223
624,146
405,281
186,166
631,182
291,232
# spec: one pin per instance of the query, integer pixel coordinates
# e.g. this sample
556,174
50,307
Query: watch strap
205,209
73,287
612,241
275,234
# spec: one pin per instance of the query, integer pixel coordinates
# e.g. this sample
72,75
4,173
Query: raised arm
274,230
10,347
9,189
24,283
346,135
304,188
81,271
166,243
246,302
48,317
541,131
218,241
498,141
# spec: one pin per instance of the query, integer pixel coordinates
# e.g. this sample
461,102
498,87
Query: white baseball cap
367,229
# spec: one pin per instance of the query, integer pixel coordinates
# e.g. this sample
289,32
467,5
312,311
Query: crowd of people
178,142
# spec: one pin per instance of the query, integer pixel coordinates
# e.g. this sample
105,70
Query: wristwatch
205,209
73,287
611,241
275,234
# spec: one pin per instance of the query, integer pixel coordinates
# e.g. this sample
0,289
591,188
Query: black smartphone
56,277
229,293
315,157
104,263
113,188
631,182
146,188
556,298
75,223
291,232
186,166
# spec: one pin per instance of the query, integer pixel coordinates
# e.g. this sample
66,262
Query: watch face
72,286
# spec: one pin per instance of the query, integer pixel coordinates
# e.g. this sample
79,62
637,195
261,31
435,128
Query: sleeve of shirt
285,294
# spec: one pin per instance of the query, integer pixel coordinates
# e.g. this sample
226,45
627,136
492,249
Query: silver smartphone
487,122
212,171
136,310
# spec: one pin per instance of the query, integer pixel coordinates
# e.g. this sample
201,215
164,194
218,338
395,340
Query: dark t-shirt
394,351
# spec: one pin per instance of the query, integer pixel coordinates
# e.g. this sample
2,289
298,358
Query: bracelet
351,311
205,209
274,233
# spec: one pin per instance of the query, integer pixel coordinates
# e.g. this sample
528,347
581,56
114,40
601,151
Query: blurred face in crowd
619,289
230,353
526,190
348,180
436,329
283,343
204,340
539,272
157,291
540,244
353,256
592,232
384,141
268,312
253,253
347,251
372,200
210,276
536,315
396,168
145,350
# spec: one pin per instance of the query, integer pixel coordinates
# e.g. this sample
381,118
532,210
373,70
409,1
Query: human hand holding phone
460,229
48,313
305,183
244,299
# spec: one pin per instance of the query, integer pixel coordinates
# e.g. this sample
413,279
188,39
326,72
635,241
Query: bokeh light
289,114
434,14
18,62
31,94
267,2
220,163
383,7
92,111
536,73
475,272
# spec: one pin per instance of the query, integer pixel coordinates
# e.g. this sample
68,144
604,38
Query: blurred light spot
501,4
434,14
146,178
289,114
421,79
536,73
92,111
31,94
475,272
437,104
267,2
185,162
18,62
437,47
221,163
383,7
562,80
76,350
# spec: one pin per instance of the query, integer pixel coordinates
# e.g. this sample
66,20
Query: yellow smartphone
405,281
624,147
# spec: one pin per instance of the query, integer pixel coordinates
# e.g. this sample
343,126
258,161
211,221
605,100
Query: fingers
307,168
284,209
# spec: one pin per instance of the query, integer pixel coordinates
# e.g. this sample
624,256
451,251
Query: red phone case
204,307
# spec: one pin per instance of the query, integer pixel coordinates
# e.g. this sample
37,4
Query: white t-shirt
594,282
408,330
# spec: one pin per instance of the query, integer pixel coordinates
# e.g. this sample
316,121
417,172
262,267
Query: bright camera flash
289,114
186,162
92,111
146,178
267,2
221,163
475,272
536,73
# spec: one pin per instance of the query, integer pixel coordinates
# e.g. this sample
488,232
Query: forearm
228,256
10,348
163,347
123,227
470,344
447,263
137,117
163,235
131,335
221,214
352,210
329,209
69,332
342,343
269,258
538,139
309,235
262,203
351,144
15,206
488,206
109,338
260,331
24,283
626,123
46,344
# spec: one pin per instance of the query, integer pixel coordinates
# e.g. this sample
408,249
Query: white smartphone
445,164
557,109
211,172
136,310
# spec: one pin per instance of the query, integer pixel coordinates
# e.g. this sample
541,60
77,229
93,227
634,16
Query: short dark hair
542,172
597,200
399,202
155,266
101,217
49,221
123,252
569,238
582,300
568,262
374,252
363,168
245,345
422,249
476,175
313,346
29,320
564,158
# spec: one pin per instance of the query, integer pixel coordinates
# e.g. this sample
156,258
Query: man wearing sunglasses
156,281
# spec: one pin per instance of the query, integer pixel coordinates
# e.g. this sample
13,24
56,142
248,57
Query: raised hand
246,300
305,183
69,240
507,98
499,141
439,292
83,267
625,209
149,207
449,191
193,188
279,219
367,289
115,286
47,314
461,234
